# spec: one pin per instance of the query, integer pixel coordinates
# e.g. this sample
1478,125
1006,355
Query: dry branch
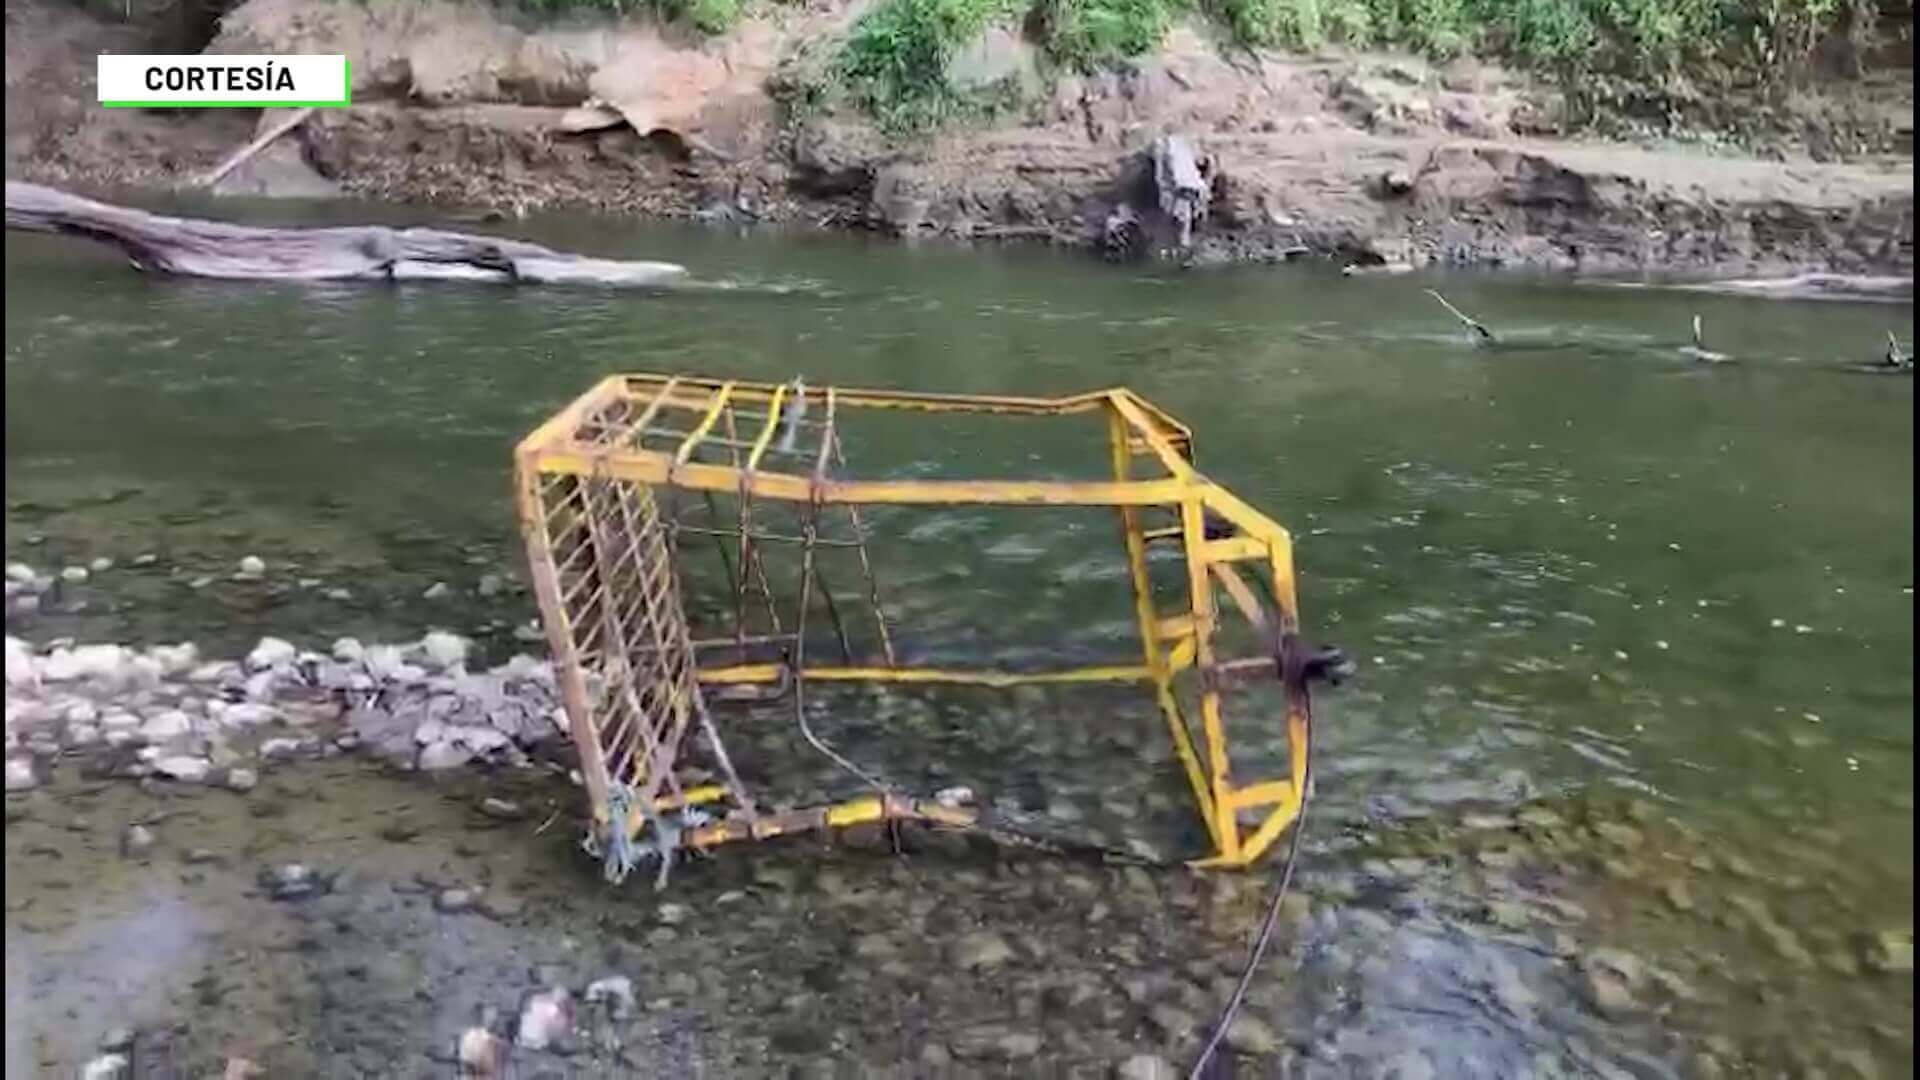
213,249
240,156
1473,324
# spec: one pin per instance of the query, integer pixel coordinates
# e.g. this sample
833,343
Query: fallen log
213,249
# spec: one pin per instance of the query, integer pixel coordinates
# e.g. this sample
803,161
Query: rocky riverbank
1366,160
165,712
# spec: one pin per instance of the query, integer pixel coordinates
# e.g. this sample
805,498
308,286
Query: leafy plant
1090,34
895,61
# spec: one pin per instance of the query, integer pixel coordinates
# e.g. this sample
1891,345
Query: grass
1087,35
1766,39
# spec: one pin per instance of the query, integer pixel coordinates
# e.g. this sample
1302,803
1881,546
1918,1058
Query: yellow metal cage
599,491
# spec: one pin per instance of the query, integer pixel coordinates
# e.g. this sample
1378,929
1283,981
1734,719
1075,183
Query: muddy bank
1368,160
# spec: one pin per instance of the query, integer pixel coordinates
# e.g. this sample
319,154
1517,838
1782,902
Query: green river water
1666,605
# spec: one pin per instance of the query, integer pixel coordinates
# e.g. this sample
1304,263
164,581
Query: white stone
20,775
187,770
246,714
175,659
20,666
479,739
271,652
615,990
436,591
253,566
161,727
106,1067
211,673
954,796
443,755
142,671
259,686
75,574
349,650
83,712
20,572
100,565
547,1016
242,779
106,662
119,721
444,650
82,735
275,749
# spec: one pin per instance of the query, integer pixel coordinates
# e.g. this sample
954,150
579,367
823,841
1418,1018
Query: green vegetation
894,63
707,16
1091,34
1767,38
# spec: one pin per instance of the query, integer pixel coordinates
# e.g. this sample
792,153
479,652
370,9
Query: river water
1634,637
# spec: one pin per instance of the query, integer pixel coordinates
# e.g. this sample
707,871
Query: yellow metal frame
1152,469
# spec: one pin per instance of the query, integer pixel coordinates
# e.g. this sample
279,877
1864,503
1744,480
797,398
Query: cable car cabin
620,489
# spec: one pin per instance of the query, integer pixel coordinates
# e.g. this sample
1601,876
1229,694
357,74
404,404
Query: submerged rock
292,881
1146,1067
136,841
1610,981
995,1042
1251,1035
1889,952
981,951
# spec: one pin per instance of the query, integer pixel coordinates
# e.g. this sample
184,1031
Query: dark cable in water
1273,912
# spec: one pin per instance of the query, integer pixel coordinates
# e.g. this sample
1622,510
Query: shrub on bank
895,60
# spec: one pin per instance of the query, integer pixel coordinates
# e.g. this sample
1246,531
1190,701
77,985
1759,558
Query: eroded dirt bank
1363,159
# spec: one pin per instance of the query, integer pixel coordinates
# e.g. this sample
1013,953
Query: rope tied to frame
1297,667
796,658
620,854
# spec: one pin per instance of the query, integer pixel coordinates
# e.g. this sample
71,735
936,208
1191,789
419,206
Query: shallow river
1634,637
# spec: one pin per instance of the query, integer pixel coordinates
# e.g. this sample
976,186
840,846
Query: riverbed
1634,637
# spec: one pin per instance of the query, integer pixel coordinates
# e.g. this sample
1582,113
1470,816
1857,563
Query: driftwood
240,156
1471,323
213,249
